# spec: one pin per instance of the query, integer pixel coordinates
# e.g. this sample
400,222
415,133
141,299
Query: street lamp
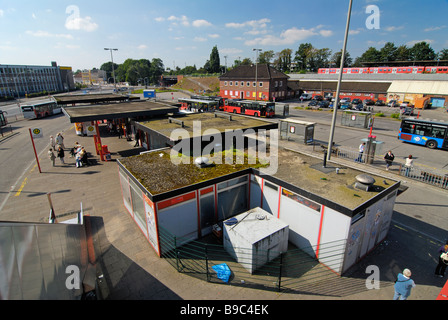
113,70
256,72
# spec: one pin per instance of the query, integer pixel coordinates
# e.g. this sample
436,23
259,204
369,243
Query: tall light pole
338,90
256,73
113,69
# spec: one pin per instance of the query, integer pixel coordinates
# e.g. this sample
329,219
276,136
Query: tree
371,55
302,54
318,58
283,61
156,70
388,52
422,51
214,62
403,53
337,59
108,68
265,57
443,54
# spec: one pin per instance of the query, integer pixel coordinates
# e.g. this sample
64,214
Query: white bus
40,109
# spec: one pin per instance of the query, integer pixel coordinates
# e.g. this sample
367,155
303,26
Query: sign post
36,133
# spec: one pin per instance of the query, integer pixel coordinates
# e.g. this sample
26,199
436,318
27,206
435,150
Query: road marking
21,187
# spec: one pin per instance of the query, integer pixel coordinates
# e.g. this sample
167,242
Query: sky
183,33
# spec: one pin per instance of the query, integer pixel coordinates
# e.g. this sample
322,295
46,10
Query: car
358,107
344,100
312,103
355,102
323,104
318,98
407,110
379,103
393,103
344,106
369,102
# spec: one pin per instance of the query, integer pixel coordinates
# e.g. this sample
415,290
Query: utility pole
338,90
256,72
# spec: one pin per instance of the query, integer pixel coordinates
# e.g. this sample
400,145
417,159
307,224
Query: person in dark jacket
403,285
389,157
441,267
61,154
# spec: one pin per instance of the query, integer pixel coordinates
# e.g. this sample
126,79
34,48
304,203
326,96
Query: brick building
254,82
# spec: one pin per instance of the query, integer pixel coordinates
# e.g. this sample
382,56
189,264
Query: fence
425,175
297,270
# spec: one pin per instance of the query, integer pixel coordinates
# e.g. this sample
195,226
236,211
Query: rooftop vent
364,182
201,162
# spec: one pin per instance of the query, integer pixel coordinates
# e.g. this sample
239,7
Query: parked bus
3,120
433,135
198,104
40,110
250,108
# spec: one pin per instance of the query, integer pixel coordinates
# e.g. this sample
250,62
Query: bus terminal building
316,205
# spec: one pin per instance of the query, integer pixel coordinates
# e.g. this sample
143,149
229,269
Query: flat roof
208,120
297,173
90,98
119,110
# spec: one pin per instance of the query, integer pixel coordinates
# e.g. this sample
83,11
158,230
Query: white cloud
182,20
142,47
326,33
413,42
287,37
199,39
214,35
434,28
393,28
79,23
160,19
201,23
262,23
1,13
46,34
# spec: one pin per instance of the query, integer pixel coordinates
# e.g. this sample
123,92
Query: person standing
61,154
389,158
441,267
60,140
51,156
362,146
137,138
52,142
408,165
403,285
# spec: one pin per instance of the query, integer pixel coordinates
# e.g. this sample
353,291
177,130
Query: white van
306,96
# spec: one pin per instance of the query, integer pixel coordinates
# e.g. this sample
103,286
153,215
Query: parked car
306,96
323,104
380,103
358,107
369,102
344,106
393,103
356,102
345,100
312,103
407,108
318,98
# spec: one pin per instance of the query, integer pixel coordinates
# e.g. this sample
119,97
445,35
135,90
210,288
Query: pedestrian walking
443,260
51,156
389,158
61,154
409,164
137,139
403,285
362,147
60,140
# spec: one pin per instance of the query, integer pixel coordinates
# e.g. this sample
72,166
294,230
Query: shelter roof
71,99
145,108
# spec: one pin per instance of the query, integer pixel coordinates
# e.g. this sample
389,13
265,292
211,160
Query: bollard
325,159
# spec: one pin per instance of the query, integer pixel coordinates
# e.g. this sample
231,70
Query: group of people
57,145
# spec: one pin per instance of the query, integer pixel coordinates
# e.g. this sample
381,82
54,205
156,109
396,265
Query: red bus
250,108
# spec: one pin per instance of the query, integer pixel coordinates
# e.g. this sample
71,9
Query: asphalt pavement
129,269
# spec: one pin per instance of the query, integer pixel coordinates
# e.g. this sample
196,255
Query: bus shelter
357,119
90,116
291,129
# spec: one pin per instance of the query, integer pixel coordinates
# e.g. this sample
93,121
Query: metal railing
425,175
296,270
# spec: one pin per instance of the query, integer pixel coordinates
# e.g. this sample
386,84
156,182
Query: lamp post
256,73
113,69
336,100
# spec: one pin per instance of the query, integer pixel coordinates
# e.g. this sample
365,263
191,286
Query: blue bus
431,134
